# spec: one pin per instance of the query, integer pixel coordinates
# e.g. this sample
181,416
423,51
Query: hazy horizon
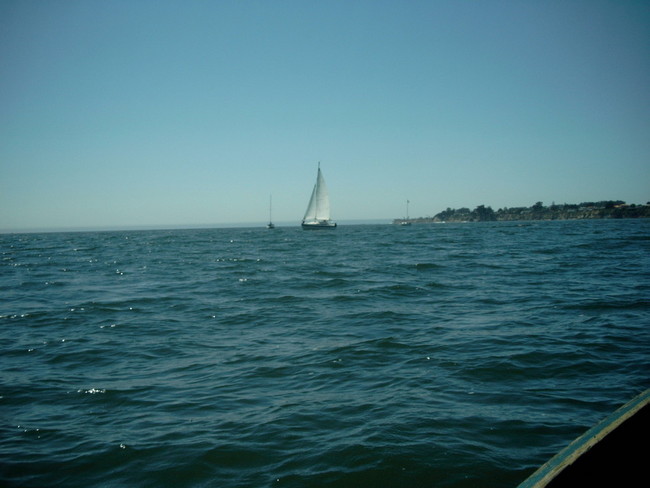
258,223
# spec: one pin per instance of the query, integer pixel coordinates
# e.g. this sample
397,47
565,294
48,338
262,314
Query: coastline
589,210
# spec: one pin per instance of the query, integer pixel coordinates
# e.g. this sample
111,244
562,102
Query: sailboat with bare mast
406,221
270,225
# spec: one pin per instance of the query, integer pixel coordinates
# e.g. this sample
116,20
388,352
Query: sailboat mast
316,191
270,224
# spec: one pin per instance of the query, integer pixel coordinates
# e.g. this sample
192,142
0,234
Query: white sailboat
270,225
317,215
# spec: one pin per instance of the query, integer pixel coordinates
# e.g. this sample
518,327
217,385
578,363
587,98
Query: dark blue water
453,355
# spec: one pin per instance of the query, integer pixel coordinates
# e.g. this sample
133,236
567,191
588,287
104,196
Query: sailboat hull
318,225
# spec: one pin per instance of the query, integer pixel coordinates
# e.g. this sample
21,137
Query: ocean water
452,355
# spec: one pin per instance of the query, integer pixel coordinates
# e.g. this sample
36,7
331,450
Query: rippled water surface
450,355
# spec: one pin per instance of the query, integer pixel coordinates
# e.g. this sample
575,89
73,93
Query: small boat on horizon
406,221
317,215
270,225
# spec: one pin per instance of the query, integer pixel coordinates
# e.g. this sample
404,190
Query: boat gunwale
546,473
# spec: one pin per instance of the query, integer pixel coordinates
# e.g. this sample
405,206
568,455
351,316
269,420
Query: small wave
435,284
614,304
387,316
428,266
397,290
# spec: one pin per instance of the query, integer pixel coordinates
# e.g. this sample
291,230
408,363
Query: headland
609,209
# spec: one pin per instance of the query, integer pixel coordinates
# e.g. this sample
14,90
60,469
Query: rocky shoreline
611,209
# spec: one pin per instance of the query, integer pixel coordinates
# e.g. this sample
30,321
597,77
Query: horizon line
146,227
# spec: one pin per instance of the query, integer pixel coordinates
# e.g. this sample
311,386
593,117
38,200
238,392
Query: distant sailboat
406,221
270,225
317,215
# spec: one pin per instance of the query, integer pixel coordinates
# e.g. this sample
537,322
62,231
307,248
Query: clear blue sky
153,112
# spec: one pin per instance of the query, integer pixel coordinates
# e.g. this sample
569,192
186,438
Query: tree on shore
484,214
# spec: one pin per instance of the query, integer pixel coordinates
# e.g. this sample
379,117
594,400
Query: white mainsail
319,204
318,210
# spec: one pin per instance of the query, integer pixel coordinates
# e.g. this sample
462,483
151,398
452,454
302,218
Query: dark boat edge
610,450
318,226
